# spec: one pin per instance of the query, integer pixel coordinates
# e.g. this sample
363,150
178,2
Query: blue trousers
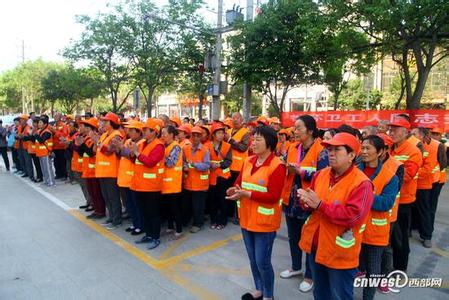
259,246
331,283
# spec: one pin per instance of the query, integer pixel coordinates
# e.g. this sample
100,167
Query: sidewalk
213,264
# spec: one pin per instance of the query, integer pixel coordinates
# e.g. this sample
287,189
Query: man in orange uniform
60,130
239,139
22,135
106,169
196,177
436,134
411,157
428,175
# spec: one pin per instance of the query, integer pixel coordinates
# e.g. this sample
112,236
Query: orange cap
437,130
386,138
91,122
187,128
176,120
197,129
228,122
205,128
400,122
24,116
152,124
160,122
274,120
110,116
262,120
217,126
134,124
344,139
287,132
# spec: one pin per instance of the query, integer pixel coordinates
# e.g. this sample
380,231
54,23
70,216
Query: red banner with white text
429,118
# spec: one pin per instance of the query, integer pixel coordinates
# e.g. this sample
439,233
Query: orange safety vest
377,231
61,130
76,164
426,172
88,161
255,216
281,149
310,161
237,156
126,167
147,179
442,178
292,157
218,158
17,141
45,148
195,180
172,179
107,165
184,143
408,152
32,147
333,250
433,155
393,164
25,144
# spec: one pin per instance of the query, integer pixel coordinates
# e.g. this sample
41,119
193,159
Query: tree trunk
52,108
200,98
91,105
414,102
150,102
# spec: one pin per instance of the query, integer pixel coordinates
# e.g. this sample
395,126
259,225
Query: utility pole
246,87
217,70
23,88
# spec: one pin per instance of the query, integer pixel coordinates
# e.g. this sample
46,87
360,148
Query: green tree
277,51
354,96
100,45
234,101
414,33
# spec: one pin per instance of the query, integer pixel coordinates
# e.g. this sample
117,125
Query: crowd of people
350,197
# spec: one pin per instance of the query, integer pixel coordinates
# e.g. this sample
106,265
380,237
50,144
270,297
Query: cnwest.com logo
396,280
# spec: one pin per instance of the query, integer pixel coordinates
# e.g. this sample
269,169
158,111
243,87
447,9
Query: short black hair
404,116
376,141
269,134
114,126
171,130
424,131
348,129
310,124
44,119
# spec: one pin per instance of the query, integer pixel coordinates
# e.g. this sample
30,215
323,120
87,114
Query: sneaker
360,274
305,286
195,229
178,235
427,243
169,230
136,231
383,289
154,243
143,240
130,228
107,222
113,226
289,273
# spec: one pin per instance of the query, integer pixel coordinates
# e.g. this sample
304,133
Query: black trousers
370,261
174,202
37,166
387,255
4,152
399,239
218,202
423,206
15,159
197,199
149,204
434,196
232,205
60,163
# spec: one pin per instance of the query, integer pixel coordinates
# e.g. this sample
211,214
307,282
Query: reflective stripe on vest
310,169
344,243
149,175
379,222
85,155
178,168
42,147
130,173
91,166
237,158
402,157
138,162
161,171
307,220
436,169
425,154
104,163
265,211
225,170
238,204
167,179
254,187
362,228
80,160
204,177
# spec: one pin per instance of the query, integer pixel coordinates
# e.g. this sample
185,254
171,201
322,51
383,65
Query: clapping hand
236,193
309,198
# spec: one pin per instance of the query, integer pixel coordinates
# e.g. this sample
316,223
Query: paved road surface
49,250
